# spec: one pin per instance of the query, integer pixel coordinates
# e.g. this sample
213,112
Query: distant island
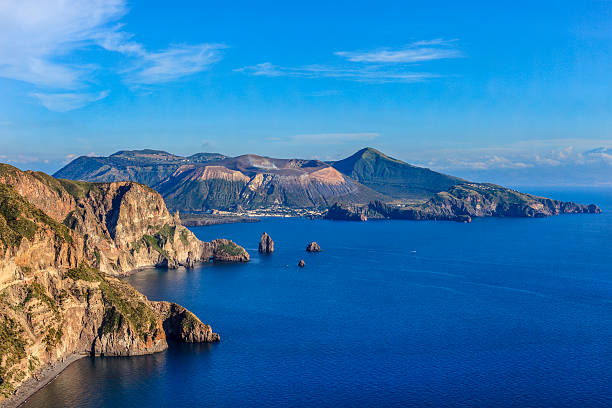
366,185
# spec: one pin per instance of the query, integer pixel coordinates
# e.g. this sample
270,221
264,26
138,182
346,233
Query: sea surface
496,313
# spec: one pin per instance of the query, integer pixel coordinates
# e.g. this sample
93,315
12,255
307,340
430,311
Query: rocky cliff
60,244
461,203
124,225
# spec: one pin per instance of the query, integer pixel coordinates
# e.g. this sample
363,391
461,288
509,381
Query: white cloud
601,153
64,102
412,53
521,155
369,66
174,63
37,37
34,35
375,74
263,69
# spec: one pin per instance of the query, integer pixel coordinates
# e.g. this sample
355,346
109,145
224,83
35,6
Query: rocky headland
461,203
62,246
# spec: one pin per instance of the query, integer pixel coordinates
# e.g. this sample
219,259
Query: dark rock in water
301,264
463,218
266,245
313,247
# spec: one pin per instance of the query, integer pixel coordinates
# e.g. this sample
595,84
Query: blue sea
496,313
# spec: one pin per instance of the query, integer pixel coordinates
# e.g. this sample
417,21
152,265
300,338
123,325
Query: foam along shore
43,378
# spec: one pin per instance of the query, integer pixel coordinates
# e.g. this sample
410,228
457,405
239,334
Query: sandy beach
45,376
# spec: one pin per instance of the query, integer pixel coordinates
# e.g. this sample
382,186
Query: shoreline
45,377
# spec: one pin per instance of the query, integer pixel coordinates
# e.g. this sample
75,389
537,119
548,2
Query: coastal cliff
463,202
61,245
124,225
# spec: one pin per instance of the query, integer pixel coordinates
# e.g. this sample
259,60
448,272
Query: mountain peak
372,153
393,177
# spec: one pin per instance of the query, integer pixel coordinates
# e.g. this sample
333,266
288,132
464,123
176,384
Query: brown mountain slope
253,182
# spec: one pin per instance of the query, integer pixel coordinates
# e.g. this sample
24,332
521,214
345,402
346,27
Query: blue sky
485,89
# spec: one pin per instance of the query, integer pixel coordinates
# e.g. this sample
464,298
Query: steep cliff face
128,226
124,225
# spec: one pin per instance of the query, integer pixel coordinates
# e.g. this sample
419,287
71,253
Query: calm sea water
496,313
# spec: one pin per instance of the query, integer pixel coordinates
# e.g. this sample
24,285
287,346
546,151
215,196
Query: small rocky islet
313,247
266,244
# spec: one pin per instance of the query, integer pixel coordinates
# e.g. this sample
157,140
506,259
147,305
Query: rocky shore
43,377
201,220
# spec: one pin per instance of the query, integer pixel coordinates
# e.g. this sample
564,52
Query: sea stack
301,264
313,247
266,245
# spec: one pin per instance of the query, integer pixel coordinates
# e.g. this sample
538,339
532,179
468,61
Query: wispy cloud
519,156
167,65
174,63
64,102
412,53
362,74
377,66
37,37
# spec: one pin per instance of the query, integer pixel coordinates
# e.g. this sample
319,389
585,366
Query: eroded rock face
182,325
313,247
266,245
124,225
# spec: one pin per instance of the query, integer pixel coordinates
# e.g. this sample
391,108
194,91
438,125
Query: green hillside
394,177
